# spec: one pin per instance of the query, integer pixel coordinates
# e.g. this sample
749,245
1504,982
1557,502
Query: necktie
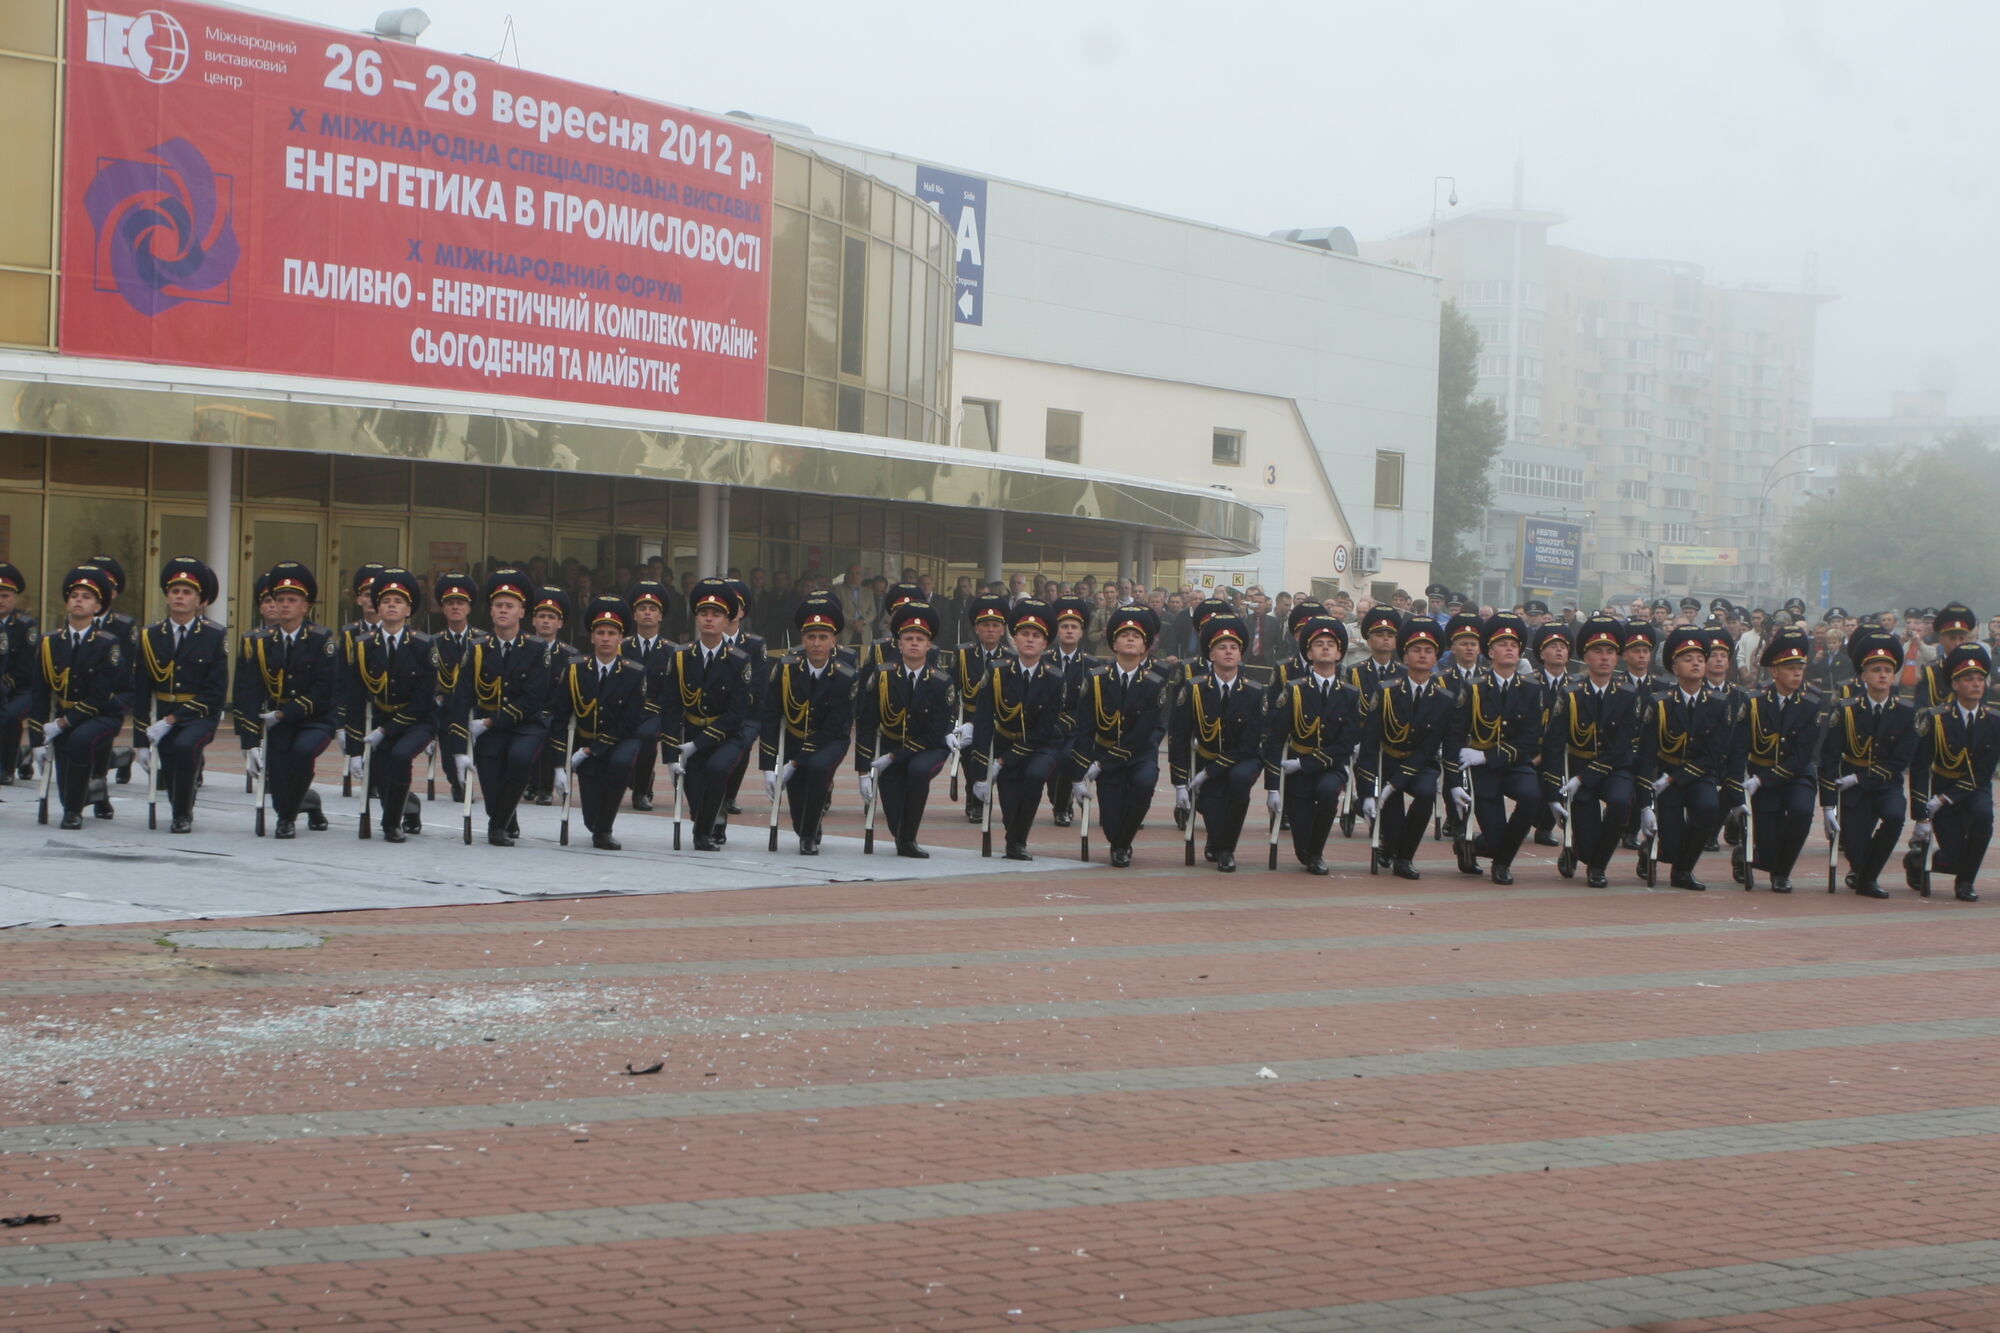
504,648
603,670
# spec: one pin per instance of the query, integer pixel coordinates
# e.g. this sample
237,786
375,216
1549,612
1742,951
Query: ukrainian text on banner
248,193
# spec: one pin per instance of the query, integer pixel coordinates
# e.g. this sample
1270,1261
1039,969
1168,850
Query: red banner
251,194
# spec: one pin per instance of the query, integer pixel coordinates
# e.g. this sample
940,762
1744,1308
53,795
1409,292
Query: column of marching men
1485,731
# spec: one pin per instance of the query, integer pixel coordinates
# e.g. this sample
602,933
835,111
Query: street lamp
1430,245
1763,503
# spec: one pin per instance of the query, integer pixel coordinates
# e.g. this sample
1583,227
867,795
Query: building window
1388,479
1226,448
981,424
1679,430
1632,490
1544,481
1677,534
1675,498
1064,440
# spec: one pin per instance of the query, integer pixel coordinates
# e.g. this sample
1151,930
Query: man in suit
1590,744
859,605
82,689
1870,740
389,693
1491,750
710,690
1265,643
604,695
1312,725
809,701
1951,782
181,685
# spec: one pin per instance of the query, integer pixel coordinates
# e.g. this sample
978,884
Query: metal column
221,536
707,530
996,535
1128,554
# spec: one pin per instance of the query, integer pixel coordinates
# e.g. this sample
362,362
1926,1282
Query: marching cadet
810,696
1402,739
1491,749
182,685
389,700
1639,642
649,646
1312,726
757,651
1215,740
1870,741
286,695
1022,719
1466,637
1293,664
1683,755
361,589
884,651
1549,650
903,726
82,688
1841,677
126,629
1590,744
498,714
455,595
1953,624
17,672
1066,655
710,689
1951,782
1774,760
1121,715
549,615
969,664
604,694
1379,627
1719,679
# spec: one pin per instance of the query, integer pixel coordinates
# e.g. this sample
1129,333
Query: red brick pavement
237,1033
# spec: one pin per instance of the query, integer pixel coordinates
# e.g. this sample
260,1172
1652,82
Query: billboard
248,193
1548,554
961,201
1699,555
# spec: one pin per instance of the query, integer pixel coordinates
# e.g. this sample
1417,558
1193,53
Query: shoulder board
207,623
938,673
844,667
737,654
1097,669
1157,673
419,637
25,619
259,633
1938,711
757,639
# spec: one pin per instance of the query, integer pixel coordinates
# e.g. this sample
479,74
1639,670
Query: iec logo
153,43
160,238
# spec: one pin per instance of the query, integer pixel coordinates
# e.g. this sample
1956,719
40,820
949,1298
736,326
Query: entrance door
177,530
357,542
269,538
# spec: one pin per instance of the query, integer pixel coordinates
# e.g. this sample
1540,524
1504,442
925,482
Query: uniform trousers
1688,813
1021,782
77,752
602,779
1600,811
648,757
391,767
1871,823
904,787
13,717
1963,829
1405,814
1062,780
1783,808
1501,834
706,774
177,760
811,786
1312,802
507,761
292,749
1124,795
1224,801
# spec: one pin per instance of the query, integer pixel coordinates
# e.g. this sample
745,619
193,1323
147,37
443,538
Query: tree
1470,433
1915,530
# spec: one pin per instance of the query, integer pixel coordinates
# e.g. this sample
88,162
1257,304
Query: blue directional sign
961,201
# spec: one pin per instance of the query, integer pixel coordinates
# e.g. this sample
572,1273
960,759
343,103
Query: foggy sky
1741,136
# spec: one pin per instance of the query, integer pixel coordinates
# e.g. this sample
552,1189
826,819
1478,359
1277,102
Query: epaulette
1157,673
938,673
735,651
418,636
844,667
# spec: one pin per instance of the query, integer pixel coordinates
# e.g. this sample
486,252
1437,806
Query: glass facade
30,102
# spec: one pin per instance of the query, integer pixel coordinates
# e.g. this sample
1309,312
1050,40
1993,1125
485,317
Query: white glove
145,758
1830,815
1274,801
1462,799
479,726
1291,766
867,787
953,742
356,767
1750,786
43,758
253,762
676,770
562,782
880,762
1570,788
771,785
963,731
159,729
463,762
1661,783
1471,758
1560,810
1090,775
1922,834
582,753
785,773
980,790
1195,785
1368,806
374,737
1934,804
1183,799
1744,810
686,751
53,728
1649,824
272,718
1847,781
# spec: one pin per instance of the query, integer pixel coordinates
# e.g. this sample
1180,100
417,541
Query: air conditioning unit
1367,559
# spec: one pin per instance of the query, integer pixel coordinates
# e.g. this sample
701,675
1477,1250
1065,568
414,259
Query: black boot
413,813
1502,873
315,813
392,802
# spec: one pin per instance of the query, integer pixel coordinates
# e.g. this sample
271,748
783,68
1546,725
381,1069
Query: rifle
471,773
778,791
1566,858
874,795
569,782
1749,848
263,772
986,806
1275,821
368,771
152,786
431,771
1080,798
1194,791
1375,825
49,773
